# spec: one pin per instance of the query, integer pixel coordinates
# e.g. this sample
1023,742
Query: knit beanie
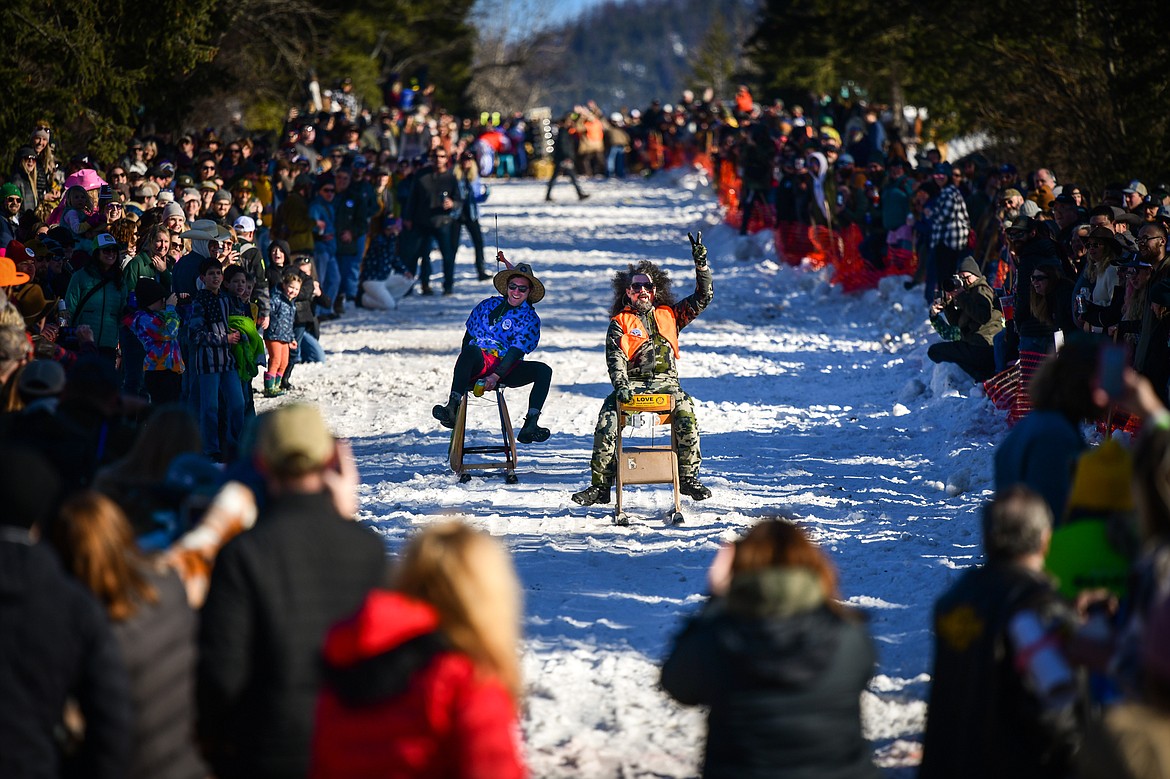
148,292
1103,479
173,209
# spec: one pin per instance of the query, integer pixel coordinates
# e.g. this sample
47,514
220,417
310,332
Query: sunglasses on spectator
328,189
1037,279
208,167
638,286
14,199
518,287
1094,244
234,149
28,157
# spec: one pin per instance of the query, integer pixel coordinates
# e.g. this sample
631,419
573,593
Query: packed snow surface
813,405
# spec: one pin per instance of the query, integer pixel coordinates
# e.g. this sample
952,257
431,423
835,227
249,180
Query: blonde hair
467,576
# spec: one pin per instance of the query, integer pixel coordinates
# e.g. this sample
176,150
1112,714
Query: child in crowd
249,352
279,337
306,327
78,209
213,368
156,325
384,278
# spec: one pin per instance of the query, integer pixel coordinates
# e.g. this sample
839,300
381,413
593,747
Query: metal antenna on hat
497,219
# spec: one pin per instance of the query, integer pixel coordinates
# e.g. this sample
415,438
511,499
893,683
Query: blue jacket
1040,452
519,327
281,317
320,211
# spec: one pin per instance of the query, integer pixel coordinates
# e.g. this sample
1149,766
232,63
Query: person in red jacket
424,681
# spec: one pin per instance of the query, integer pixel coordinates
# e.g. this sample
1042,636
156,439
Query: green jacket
140,267
103,309
248,351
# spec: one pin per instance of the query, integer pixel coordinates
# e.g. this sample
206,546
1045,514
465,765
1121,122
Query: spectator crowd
183,592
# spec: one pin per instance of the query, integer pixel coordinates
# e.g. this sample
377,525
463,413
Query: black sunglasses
518,287
641,285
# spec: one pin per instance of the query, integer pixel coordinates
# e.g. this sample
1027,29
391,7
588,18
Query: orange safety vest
633,334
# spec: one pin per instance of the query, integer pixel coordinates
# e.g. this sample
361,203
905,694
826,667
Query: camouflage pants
686,429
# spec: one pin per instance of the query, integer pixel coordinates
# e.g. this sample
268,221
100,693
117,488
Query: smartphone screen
1110,366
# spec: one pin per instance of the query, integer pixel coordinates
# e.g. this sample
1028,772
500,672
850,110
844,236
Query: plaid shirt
210,351
951,226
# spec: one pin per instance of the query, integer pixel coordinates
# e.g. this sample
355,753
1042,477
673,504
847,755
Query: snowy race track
812,405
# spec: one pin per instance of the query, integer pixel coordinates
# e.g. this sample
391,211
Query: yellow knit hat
1103,479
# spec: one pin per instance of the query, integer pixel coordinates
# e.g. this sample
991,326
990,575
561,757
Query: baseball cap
105,241
1135,187
294,440
41,378
245,223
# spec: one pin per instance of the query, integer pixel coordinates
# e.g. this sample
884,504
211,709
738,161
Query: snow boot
446,414
271,388
690,486
532,431
592,494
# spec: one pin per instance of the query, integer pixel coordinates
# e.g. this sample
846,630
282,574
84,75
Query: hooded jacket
782,675
397,701
974,310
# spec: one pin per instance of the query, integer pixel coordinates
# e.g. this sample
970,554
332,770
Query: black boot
592,494
447,414
532,431
690,486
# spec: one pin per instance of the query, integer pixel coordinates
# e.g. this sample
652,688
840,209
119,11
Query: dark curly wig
663,295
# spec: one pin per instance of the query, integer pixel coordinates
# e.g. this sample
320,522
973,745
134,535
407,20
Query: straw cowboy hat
536,289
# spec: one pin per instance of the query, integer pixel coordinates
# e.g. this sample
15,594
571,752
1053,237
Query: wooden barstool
458,448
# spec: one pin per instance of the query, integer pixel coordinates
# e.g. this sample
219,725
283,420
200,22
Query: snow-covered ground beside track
812,404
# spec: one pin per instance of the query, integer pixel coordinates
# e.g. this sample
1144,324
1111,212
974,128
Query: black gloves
698,250
624,394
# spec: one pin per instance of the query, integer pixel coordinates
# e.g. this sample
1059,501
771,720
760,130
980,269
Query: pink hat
86,178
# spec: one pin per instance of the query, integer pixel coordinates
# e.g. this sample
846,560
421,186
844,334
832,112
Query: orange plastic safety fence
1022,404
1002,388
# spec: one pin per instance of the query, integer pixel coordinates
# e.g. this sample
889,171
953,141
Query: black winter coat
158,647
55,643
782,676
275,591
982,721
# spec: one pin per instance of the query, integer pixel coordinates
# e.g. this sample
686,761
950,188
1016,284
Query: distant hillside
625,54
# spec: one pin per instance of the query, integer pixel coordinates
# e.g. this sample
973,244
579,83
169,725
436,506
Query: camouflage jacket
654,360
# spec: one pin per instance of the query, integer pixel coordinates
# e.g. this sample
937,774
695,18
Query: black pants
978,360
565,167
163,386
470,365
476,234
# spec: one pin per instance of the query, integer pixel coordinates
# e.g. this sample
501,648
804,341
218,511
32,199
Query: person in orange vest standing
641,352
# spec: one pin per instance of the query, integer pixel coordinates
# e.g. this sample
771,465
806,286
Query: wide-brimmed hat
86,178
32,303
202,230
9,276
536,289
1102,233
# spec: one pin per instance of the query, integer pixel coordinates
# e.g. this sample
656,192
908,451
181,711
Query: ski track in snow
813,405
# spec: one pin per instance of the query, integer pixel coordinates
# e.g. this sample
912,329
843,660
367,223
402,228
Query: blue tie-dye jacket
519,327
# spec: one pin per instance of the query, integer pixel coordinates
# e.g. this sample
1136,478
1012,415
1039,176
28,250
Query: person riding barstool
501,331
